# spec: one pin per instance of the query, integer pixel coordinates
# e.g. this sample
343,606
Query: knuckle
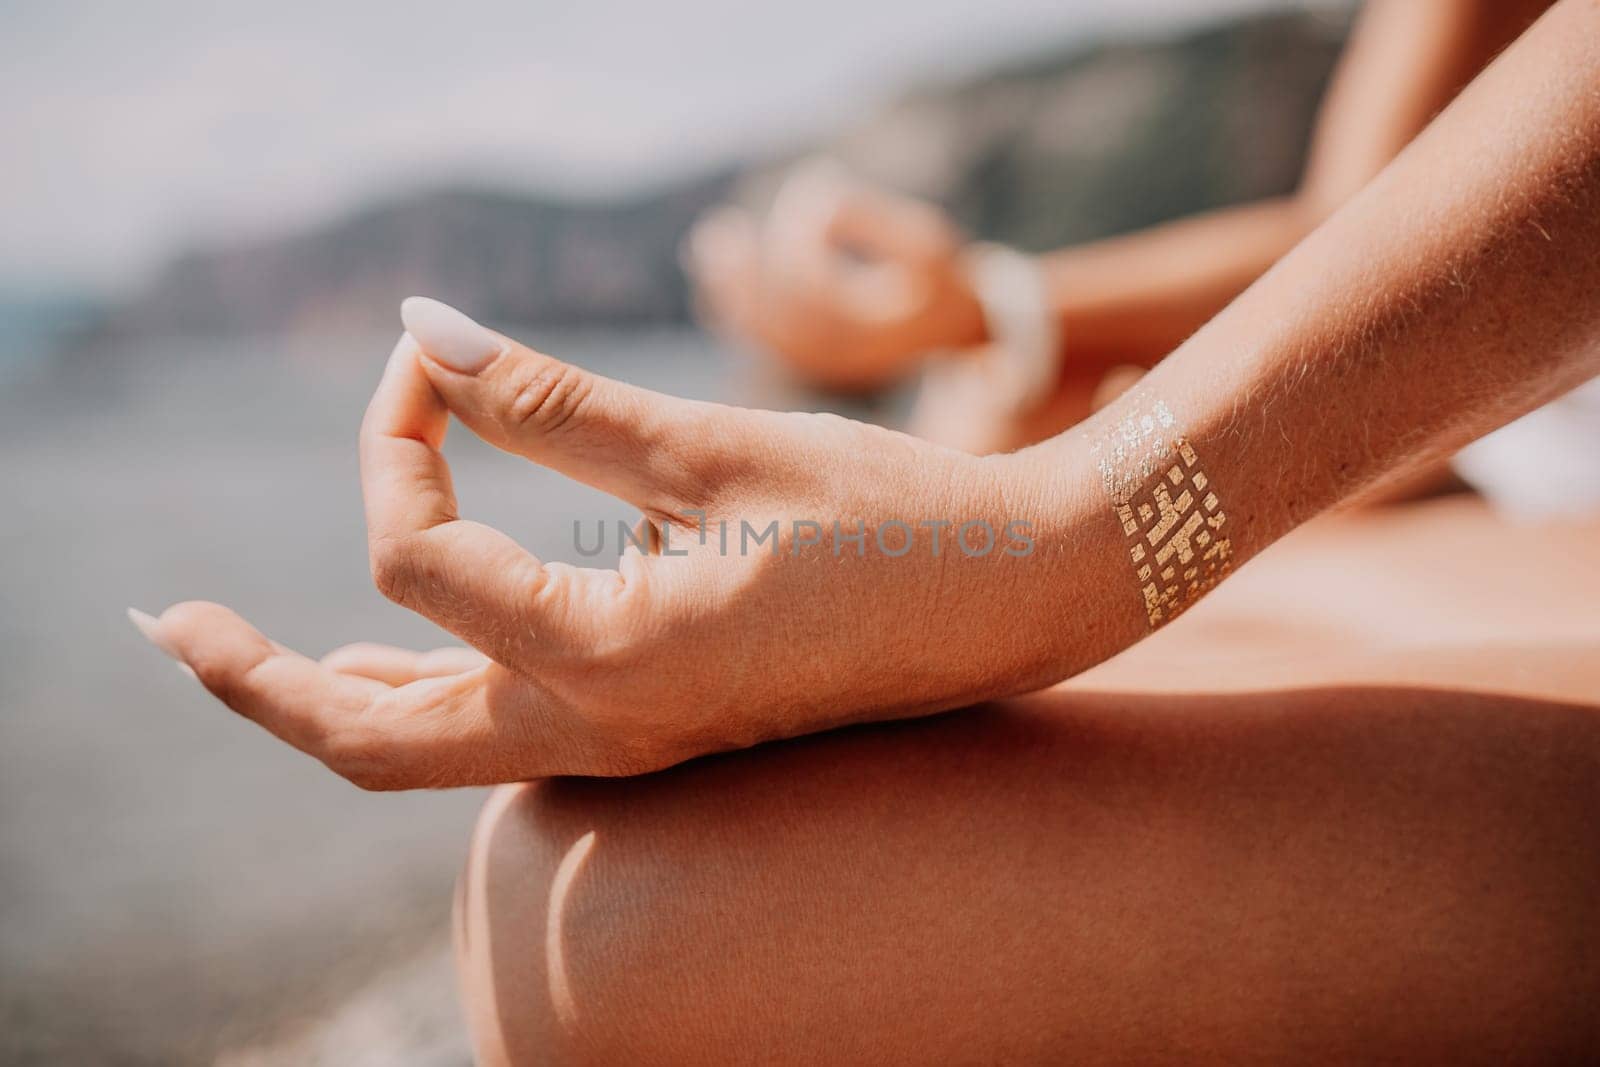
232,682
547,396
227,684
394,567
708,450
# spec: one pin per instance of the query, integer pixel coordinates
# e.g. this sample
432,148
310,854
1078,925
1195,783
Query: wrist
959,323
1076,587
1011,362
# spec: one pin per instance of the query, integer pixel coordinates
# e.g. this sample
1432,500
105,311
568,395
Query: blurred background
209,215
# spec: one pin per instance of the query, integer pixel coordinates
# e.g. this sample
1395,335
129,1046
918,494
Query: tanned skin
1150,879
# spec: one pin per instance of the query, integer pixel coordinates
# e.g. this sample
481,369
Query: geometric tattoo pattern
1175,528
1167,506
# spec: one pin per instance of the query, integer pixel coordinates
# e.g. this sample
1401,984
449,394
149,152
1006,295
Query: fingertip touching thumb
614,436
447,336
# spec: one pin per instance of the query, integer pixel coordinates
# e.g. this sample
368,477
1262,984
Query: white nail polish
150,627
448,336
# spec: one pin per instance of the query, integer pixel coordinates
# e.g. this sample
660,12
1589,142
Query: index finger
469,578
430,732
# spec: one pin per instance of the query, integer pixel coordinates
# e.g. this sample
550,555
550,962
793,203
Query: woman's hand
751,613
850,286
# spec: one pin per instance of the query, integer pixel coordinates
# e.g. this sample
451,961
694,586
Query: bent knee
502,915
550,944
684,915
647,919
807,895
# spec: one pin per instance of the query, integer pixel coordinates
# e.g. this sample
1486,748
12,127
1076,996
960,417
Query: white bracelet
1023,365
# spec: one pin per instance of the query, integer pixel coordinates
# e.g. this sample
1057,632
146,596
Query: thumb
626,441
899,241
888,225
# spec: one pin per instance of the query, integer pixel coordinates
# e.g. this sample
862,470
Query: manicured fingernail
150,626
448,336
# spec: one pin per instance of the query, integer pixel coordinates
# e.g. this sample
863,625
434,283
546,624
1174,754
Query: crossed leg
1367,866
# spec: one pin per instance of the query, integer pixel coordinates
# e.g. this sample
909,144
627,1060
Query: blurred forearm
1133,299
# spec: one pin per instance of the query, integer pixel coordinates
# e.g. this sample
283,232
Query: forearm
1453,294
1133,299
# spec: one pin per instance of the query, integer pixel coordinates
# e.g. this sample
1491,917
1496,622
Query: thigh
1330,874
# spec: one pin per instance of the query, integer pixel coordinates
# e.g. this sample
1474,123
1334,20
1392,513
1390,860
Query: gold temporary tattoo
1129,452
1167,506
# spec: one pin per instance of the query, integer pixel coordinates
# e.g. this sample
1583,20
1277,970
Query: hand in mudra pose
703,641
850,285
1424,313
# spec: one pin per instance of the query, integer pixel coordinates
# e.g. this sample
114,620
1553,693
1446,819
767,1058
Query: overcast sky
132,129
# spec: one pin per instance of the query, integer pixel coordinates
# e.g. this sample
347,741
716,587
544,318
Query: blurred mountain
506,256
1066,146
1070,146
